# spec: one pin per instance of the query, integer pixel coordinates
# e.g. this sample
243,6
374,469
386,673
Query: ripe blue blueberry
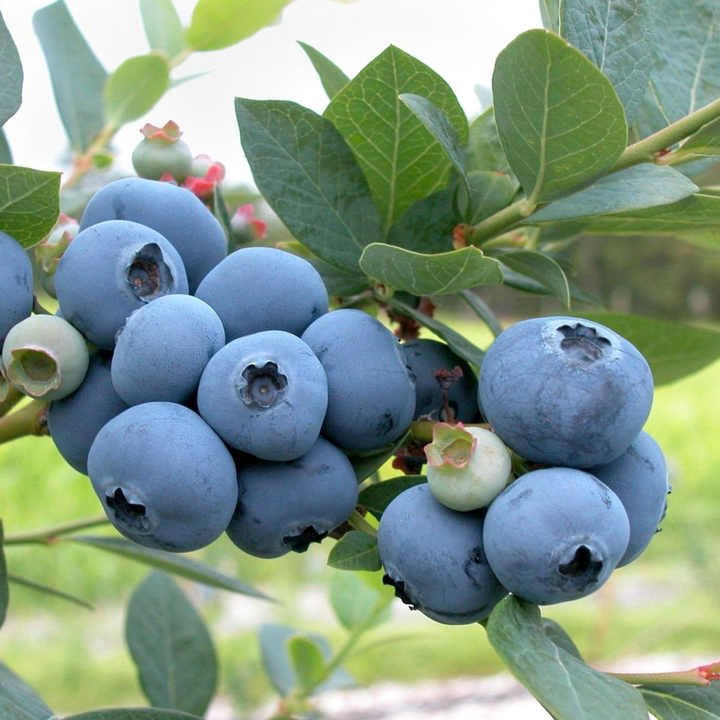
174,212
565,391
284,506
555,535
75,421
371,391
109,271
424,357
261,288
435,560
16,285
639,478
265,394
165,479
163,349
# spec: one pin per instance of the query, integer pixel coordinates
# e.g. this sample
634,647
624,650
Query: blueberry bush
208,383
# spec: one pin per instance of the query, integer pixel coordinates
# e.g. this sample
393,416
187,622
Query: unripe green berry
161,152
45,357
468,467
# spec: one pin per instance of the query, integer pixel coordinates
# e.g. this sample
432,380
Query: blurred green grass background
664,602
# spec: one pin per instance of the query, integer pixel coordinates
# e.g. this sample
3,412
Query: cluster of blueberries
220,394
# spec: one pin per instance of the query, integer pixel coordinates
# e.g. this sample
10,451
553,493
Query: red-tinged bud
710,672
56,242
244,223
460,233
204,185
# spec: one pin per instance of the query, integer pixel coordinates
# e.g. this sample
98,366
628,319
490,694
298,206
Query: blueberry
434,558
163,349
639,477
265,394
172,211
427,356
165,479
109,271
45,357
371,391
555,535
16,284
284,506
75,421
565,391
261,288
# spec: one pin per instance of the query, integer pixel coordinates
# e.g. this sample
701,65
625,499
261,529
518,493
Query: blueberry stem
422,430
702,676
31,419
51,534
358,522
14,396
38,309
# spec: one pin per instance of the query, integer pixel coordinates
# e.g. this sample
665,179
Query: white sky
459,39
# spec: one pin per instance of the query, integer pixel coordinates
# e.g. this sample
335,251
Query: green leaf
484,150
176,564
134,714
29,203
673,350
134,88
18,701
354,602
333,79
428,225
566,687
6,157
4,590
682,702
550,13
355,551
558,635
421,274
78,78
457,343
376,498
489,192
525,284
47,590
366,464
705,142
274,641
170,646
558,117
163,28
400,158
11,75
540,268
307,662
439,126
339,283
634,188
618,36
308,175
218,24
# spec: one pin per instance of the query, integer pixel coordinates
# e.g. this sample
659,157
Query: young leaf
4,590
489,192
704,143
134,714
458,344
305,170
355,551
333,79
680,702
566,687
421,274
170,646
135,87
307,662
78,78
428,225
540,268
440,127
398,155
525,284
29,203
169,562
375,498
673,350
18,701
218,24
6,157
617,35
550,13
558,635
47,590
163,28
558,117
12,75
484,151
634,188
354,602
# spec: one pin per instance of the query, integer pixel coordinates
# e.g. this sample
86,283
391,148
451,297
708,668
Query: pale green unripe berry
468,467
45,357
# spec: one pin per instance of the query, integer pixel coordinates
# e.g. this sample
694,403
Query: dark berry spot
131,514
582,565
263,386
148,275
399,587
583,343
300,543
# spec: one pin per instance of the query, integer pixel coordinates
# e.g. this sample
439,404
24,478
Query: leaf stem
501,221
13,397
50,535
422,430
482,310
358,522
84,162
701,676
29,420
